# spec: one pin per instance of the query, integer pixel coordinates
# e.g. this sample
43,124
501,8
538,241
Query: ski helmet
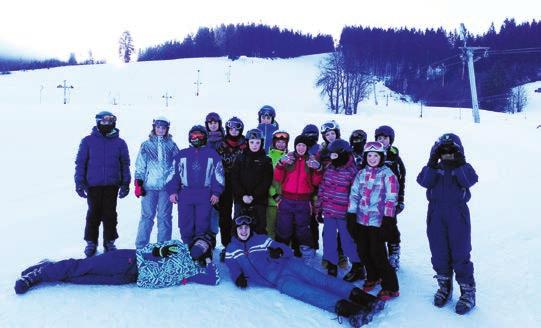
330,126
255,134
197,136
449,143
240,221
213,117
280,135
339,152
374,146
312,132
385,130
358,140
235,123
105,118
268,111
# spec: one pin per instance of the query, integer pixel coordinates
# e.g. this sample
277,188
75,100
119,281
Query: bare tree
520,98
329,79
125,46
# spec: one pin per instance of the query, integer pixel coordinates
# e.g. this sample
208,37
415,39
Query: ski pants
101,202
294,220
331,229
449,235
154,201
226,209
193,218
271,221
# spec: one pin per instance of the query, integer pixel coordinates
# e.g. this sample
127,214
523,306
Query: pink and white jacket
373,195
333,194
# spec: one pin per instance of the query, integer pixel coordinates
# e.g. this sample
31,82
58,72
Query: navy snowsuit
448,217
268,130
287,274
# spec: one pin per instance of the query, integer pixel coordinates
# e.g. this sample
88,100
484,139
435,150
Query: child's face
373,159
234,132
160,131
330,136
300,148
254,144
243,232
280,144
385,140
265,119
213,126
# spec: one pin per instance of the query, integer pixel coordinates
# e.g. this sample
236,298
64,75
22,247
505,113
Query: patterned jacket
229,150
102,160
275,189
373,195
154,162
334,189
252,259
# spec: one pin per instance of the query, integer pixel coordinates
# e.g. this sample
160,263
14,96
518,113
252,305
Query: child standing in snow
215,132
448,179
372,205
153,165
267,125
280,140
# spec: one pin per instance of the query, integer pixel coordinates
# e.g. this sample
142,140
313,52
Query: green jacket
275,189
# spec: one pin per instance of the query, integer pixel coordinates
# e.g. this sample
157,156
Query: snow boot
370,284
385,295
345,308
40,264
90,248
445,290
466,302
370,303
332,269
394,255
342,261
109,246
32,278
356,273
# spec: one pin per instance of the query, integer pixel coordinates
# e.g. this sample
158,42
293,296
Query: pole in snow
167,97
197,84
65,87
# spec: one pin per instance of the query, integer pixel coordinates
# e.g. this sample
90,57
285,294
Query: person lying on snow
165,264
253,258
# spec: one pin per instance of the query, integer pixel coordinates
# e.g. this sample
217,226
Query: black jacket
394,162
252,175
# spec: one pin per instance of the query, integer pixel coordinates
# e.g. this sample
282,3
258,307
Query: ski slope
43,217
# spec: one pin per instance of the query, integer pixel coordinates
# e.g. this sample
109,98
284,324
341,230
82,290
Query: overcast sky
58,27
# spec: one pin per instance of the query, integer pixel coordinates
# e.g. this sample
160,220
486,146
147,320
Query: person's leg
209,276
302,291
148,211
109,215
330,252
284,224
460,244
302,223
260,213
226,204
363,247
165,217
348,245
378,254
271,221
93,214
214,221
202,218
186,221
438,241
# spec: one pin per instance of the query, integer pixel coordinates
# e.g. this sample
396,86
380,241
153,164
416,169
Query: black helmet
198,136
236,123
266,110
385,130
357,140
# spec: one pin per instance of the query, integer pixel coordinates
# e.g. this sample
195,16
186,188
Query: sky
55,28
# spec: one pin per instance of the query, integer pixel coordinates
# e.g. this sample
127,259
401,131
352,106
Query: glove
286,159
124,191
434,156
81,190
139,190
459,159
313,164
351,217
241,281
275,253
387,227
165,251
399,208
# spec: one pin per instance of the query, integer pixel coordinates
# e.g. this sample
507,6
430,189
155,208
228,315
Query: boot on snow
109,246
356,314
40,264
356,273
32,278
343,261
394,255
90,248
370,302
466,302
445,290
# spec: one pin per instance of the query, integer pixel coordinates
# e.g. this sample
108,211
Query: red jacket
298,180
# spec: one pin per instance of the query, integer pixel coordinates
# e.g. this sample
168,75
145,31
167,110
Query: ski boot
466,302
394,255
385,295
445,290
370,284
324,263
356,313
90,248
343,261
32,278
40,264
109,246
332,270
356,273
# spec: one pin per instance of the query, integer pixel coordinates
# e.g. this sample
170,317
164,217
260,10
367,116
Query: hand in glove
399,208
286,159
81,190
387,227
313,164
124,191
241,281
434,156
459,159
275,253
139,190
165,251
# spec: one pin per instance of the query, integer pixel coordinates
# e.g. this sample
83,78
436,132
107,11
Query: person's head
301,145
213,122
105,122
280,140
312,132
255,140
197,136
449,145
234,127
385,135
160,126
339,152
357,140
330,131
202,246
243,227
266,115
374,154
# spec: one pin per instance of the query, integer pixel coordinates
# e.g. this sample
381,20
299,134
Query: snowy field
42,217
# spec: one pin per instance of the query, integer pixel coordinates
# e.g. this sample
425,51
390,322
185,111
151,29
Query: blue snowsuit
268,130
448,218
287,274
198,174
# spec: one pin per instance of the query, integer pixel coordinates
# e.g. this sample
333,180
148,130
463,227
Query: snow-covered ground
43,217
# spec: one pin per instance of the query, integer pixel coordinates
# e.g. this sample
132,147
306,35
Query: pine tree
125,46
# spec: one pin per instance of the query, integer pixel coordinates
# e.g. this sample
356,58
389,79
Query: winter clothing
394,162
101,208
274,194
268,130
448,219
297,180
198,174
215,139
331,226
155,201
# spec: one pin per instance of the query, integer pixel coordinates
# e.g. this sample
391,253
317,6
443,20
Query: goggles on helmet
107,120
281,135
327,126
243,220
234,125
374,146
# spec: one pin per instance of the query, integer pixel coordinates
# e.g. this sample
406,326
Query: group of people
266,201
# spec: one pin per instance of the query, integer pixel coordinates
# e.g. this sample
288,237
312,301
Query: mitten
165,251
459,159
124,191
275,253
241,281
399,207
139,190
434,156
81,190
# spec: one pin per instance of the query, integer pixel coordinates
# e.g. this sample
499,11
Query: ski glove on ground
165,251
139,190
241,281
124,191
275,253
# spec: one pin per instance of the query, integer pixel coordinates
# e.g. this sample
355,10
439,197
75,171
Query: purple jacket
197,172
102,161
334,188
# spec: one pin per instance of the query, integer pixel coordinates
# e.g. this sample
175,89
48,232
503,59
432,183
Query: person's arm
391,194
173,184
236,182
81,162
232,264
355,194
261,190
279,173
428,177
218,178
466,176
125,164
401,179
141,164
286,250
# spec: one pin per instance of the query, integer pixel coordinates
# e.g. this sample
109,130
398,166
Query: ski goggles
332,125
374,146
266,112
281,135
311,135
197,135
160,123
358,140
243,220
448,149
266,116
107,120
234,125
